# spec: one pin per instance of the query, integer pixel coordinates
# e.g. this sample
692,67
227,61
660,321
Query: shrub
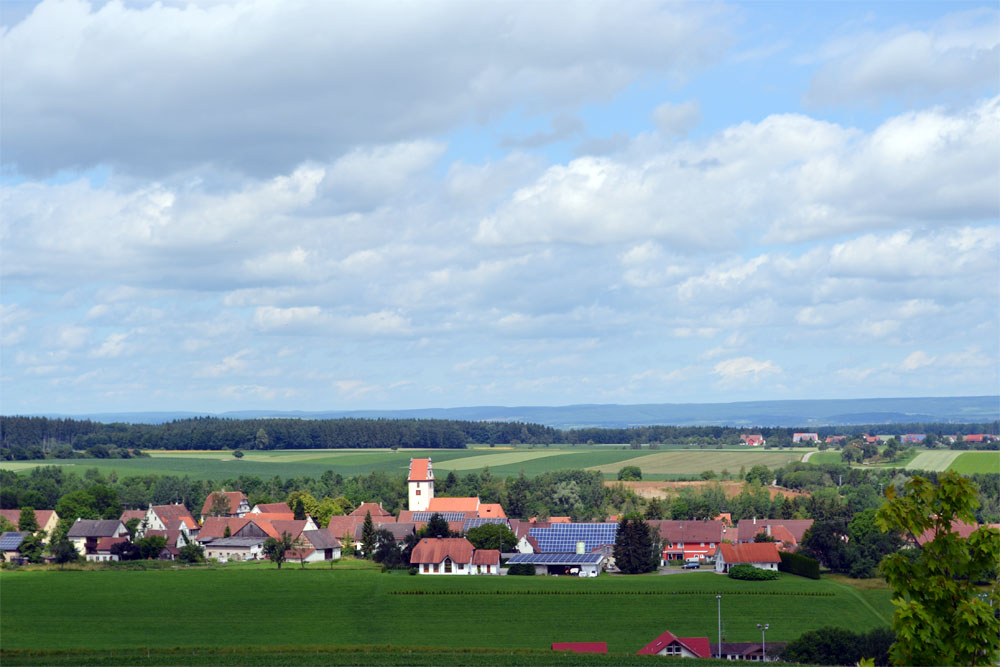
525,569
748,572
799,564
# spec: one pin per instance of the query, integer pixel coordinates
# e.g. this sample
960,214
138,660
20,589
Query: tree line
25,438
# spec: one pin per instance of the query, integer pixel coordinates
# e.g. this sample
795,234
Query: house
103,551
805,437
47,519
788,533
420,483
669,644
273,508
442,505
128,515
215,528
526,544
169,517
375,509
835,439
912,438
962,528
10,544
753,651
85,533
753,440
972,437
316,546
581,647
685,540
763,555
453,555
236,548
238,505
175,538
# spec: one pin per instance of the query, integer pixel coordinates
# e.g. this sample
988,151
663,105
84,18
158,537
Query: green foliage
630,474
6,526
387,551
795,563
747,572
763,537
368,536
521,569
868,545
27,521
299,510
192,552
492,536
635,549
761,474
238,453
939,619
31,548
64,551
151,546
275,549
837,646
436,527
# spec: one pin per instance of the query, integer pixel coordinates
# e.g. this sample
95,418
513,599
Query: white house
764,555
453,555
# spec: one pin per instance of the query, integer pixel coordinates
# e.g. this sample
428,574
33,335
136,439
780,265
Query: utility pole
763,640
718,599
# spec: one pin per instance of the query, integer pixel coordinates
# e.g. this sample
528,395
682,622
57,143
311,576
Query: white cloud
744,370
916,360
677,119
113,346
957,54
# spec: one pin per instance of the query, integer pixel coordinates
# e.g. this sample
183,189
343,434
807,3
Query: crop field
218,465
692,462
259,605
971,462
936,459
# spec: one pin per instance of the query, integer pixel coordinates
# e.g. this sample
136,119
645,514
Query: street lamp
719,600
763,642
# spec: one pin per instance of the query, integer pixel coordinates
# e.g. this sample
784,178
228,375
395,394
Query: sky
282,205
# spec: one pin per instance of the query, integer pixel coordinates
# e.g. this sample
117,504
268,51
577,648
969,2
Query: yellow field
692,462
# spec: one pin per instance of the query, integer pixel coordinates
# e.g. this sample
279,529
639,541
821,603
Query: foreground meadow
260,606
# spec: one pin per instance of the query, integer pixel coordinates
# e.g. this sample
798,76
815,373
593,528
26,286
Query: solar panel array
10,541
562,537
447,516
555,559
476,523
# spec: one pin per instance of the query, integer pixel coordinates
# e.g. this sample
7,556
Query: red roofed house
754,440
685,540
102,551
375,509
678,647
978,437
215,527
128,515
237,504
805,437
47,519
491,511
169,517
788,536
961,528
581,647
452,555
421,484
272,508
454,505
763,555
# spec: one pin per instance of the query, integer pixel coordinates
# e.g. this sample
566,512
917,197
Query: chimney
768,527
755,521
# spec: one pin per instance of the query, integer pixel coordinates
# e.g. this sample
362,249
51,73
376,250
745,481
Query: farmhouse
453,555
274,508
169,517
685,540
787,533
805,437
103,551
237,504
678,647
763,555
47,519
753,440
85,533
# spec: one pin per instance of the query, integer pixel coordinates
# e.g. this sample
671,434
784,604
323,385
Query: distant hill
815,412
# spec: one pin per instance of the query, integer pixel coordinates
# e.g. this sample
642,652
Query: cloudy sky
325,205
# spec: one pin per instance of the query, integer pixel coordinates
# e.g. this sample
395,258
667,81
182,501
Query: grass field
970,462
261,606
662,464
936,459
826,457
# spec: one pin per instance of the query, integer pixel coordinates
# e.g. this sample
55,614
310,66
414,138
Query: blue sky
281,205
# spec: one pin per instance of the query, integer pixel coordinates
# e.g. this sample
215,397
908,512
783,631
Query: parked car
692,566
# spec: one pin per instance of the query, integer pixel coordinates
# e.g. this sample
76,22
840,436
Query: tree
635,551
761,473
868,545
630,474
275,548
238,453
31,547
368,535
837,646
763,537
64,551
27,522
192,552
126,551
436,527
299,510
826,541
939,619
386,551
151,546
492,536
132,526
6,526
261,441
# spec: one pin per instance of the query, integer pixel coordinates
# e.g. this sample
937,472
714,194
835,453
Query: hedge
748,572
799,564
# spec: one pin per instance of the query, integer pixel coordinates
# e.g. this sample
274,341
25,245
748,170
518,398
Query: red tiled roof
753,552
273,516
963,529
419,469
436,549
235,497
343,525
272,508
215,527
171,535
374,508
560,519
172,515
747,528
291,526
41,516
486,557
697,645
491,510
105,543
581,647
438,504
128,515
263,524
678,532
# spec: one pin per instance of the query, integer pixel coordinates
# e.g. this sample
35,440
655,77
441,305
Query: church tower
421,483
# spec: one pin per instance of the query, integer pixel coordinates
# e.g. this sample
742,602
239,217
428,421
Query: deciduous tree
939,618
275,548
27,522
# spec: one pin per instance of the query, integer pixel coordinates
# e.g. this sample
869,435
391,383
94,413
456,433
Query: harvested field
665,489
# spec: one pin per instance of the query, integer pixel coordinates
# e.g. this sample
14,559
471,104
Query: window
435,567
418,492
479,569
427,568
447,566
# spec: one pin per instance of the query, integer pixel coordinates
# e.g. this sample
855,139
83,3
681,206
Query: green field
503,462
933,459
972,462
826,457
259,605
